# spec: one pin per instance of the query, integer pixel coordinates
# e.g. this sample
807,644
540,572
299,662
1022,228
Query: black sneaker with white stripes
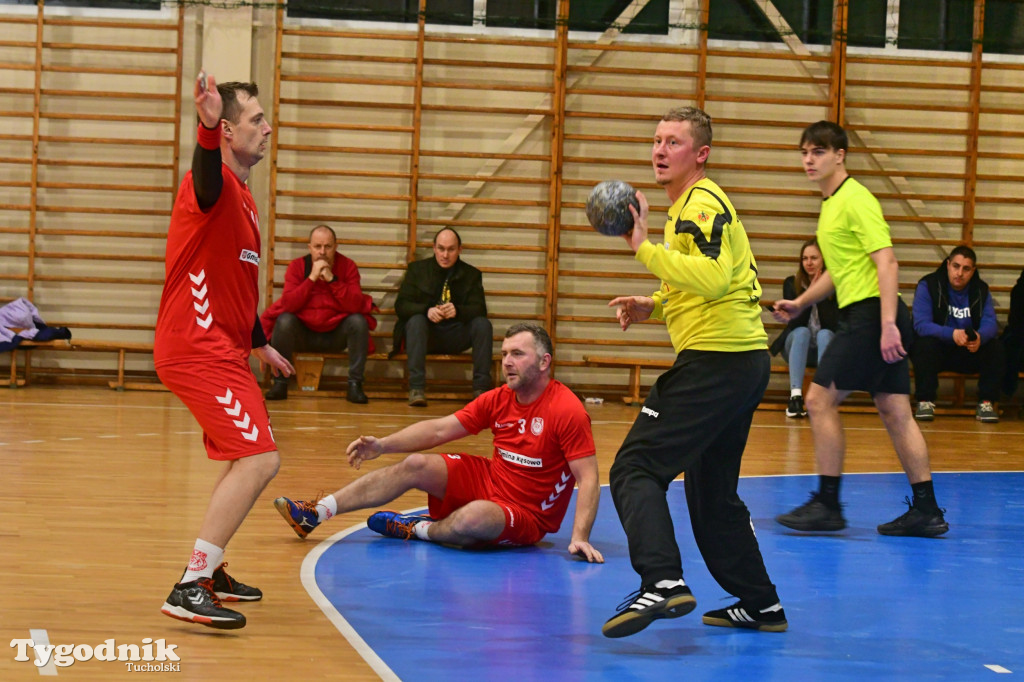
646,605
771,619
195,602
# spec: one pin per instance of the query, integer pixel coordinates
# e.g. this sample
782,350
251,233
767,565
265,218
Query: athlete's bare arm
414,438
588,493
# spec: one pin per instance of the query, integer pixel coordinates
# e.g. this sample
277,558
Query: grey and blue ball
608,207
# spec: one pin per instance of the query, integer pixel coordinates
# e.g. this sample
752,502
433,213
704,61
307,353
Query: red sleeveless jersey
211,290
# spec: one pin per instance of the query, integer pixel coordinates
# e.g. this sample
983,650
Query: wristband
208,138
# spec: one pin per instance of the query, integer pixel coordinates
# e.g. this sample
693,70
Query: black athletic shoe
228,589
916,522
771,619
796,408
355,393
278,391
648,604
195,602
813,515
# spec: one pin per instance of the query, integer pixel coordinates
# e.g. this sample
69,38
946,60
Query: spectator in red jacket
322,308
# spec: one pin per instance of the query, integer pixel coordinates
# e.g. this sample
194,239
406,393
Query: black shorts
853,360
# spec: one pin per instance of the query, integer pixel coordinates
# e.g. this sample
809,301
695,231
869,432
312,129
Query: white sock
326,508
796,391
206,557
420,529
669,584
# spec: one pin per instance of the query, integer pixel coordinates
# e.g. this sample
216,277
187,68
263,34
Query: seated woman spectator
813,329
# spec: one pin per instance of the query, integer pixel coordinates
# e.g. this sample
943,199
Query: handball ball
608,207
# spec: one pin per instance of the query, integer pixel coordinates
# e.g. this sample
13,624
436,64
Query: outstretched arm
414,438
820,289
588,493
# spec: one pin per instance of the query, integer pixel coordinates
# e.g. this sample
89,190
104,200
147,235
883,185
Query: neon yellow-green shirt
709,291
850,228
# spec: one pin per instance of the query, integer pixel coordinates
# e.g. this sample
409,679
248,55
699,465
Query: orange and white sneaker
394,525
301,515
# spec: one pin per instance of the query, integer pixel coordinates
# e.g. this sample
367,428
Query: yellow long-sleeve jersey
709,290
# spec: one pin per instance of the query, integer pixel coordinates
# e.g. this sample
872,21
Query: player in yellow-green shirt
868,352
698,414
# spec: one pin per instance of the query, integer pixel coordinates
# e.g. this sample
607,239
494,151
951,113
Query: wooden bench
120,347
309,366
635,365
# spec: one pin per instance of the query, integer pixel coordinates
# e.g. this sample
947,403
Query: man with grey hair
322,308
542,445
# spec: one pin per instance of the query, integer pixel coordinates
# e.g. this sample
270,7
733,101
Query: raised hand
638,235
209,105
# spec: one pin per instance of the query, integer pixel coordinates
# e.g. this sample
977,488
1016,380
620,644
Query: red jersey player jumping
206,329
542,446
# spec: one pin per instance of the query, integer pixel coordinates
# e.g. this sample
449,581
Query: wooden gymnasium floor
103,493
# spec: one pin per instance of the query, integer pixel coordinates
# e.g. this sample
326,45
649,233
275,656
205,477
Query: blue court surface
860,606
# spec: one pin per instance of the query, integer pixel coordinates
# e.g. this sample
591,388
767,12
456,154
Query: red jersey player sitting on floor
542,444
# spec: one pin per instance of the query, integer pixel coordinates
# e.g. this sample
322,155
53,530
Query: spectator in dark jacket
810,330
1013,338
322,308
955,329
441,309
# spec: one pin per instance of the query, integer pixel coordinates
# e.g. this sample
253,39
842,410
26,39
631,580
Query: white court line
883,473
74,438
997,668
305,428
344,426
32,442
140,435
41,638
308,575
109,435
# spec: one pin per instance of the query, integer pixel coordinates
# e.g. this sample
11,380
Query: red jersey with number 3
211,292
533,445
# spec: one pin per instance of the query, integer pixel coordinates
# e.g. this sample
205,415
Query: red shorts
469,479
225,399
